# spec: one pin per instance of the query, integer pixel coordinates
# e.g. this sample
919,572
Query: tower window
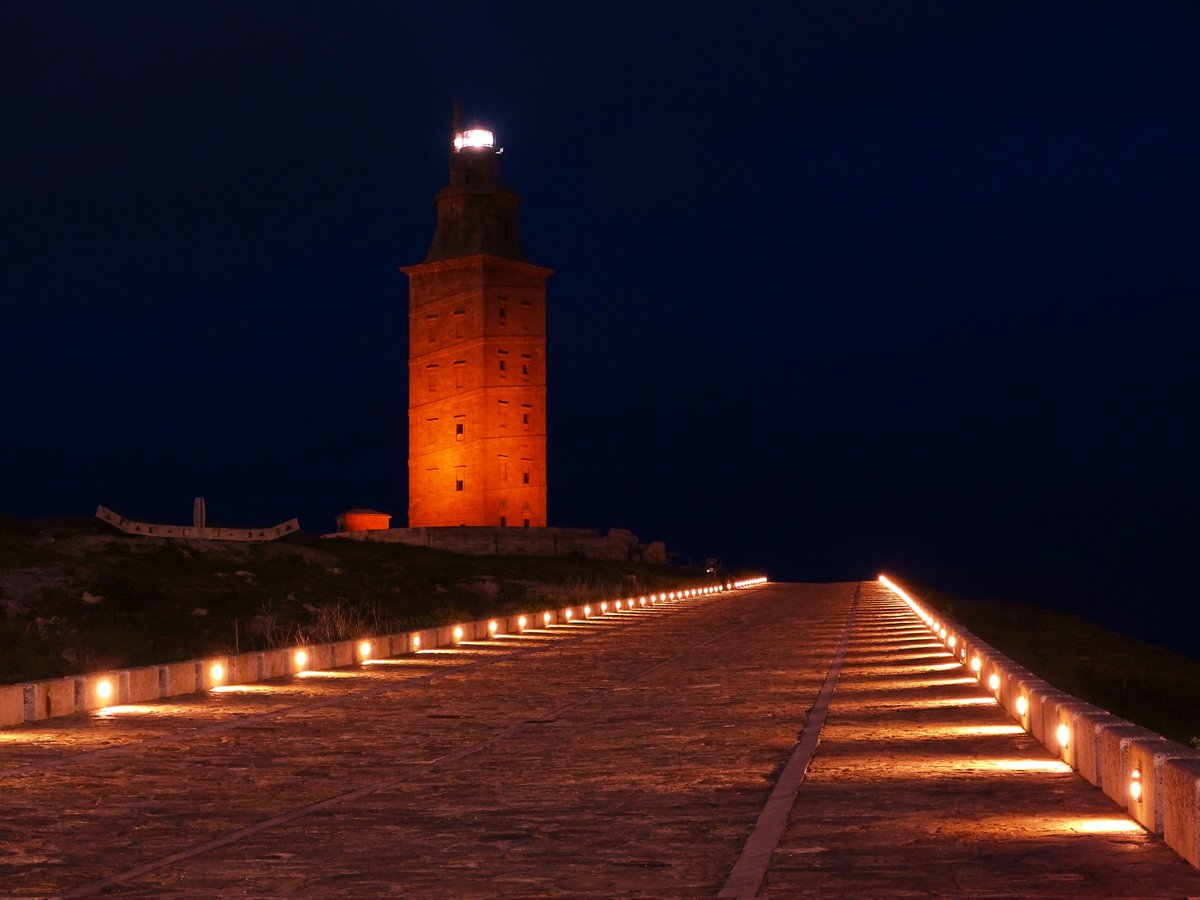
460,373
503,521
459,428
431,428
503,316
502,415
459,314
503,365
526,523
503,468
460,478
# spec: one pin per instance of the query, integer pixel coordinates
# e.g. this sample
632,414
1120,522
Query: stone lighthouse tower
477,356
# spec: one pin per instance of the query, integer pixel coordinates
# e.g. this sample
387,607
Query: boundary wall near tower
196,532
1155,780
619,545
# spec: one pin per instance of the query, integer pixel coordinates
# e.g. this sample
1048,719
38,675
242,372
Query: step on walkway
629,756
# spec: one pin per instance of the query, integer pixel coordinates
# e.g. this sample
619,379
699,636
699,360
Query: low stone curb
1156,781
35,701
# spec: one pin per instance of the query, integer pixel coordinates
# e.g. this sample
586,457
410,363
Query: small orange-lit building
477,356
363,520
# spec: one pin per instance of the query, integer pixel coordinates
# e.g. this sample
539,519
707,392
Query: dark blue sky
840,286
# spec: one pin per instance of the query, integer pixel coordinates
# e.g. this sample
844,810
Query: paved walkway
625,757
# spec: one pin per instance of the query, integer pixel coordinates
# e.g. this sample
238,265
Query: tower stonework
477,357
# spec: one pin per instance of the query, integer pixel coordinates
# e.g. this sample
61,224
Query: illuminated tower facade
477,357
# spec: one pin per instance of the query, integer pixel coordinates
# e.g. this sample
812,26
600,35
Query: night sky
841,287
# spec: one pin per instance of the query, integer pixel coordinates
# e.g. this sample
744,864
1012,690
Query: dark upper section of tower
474,213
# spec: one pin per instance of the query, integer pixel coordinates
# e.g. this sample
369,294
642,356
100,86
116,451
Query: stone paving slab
627,757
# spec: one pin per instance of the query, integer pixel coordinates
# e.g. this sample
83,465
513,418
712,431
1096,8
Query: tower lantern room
474,213
477,356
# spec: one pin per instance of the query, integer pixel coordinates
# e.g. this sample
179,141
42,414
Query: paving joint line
746,877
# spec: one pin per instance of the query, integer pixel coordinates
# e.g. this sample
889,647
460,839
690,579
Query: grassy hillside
1142,682
77,596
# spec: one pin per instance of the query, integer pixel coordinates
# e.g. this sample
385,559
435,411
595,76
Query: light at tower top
474,138
475,212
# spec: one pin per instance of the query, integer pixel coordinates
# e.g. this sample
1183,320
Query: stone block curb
1088,723
1156,781
12,704
1180,779
50,698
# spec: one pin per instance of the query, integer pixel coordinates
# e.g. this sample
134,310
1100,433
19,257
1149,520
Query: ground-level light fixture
217,673
104,689
364,650
546,618
1022,705
493,627
1135,785
301,659
458,633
